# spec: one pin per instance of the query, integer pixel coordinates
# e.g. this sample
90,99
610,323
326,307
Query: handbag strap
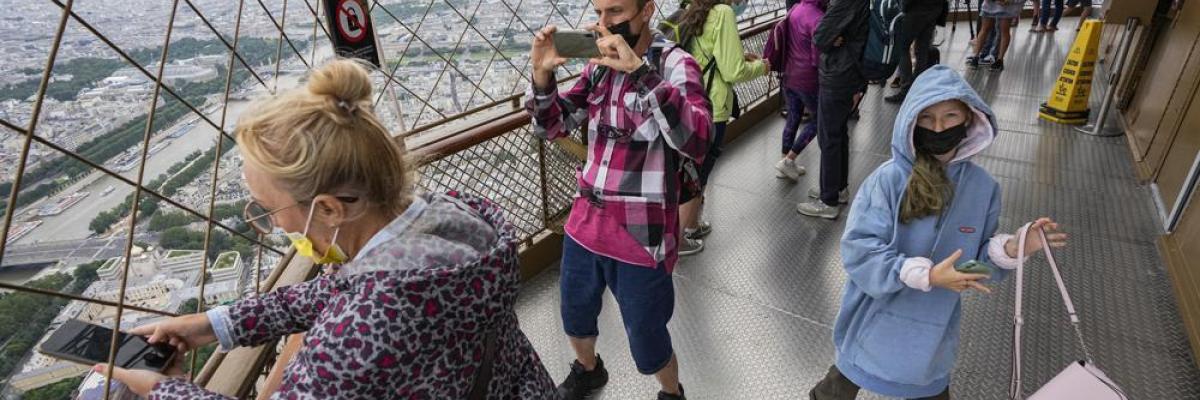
1018,318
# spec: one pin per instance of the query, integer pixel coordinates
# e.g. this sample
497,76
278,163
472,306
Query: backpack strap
708,73
656,56
598,73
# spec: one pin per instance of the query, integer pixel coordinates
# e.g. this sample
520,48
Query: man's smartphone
576,44
88,344
974,267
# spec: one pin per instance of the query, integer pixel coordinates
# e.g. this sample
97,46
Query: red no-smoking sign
352,20
350,23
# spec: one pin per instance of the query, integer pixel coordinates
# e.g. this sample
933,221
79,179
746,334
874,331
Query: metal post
1114,77
1185,195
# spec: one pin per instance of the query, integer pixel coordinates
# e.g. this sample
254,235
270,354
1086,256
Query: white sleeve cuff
915,273
998,255
221,323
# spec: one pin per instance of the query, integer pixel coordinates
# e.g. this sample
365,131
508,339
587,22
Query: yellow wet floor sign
1068,102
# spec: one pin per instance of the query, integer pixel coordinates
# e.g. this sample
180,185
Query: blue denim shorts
646,297
993,9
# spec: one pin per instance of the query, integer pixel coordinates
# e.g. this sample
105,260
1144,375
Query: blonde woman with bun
422,305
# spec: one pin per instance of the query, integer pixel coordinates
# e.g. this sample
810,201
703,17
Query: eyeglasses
618,134
259,217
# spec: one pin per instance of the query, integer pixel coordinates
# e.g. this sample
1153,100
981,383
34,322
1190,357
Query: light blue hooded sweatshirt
893,339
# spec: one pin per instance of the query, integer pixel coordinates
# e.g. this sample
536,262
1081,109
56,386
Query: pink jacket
802,58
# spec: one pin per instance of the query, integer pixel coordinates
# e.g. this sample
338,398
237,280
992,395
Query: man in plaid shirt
646,115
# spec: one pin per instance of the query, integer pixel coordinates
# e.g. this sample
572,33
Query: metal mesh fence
120,178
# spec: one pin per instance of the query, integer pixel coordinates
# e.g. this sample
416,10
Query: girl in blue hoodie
914,219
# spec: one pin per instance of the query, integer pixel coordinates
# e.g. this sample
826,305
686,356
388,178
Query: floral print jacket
406,320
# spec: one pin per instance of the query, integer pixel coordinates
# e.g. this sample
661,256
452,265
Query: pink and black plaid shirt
639,127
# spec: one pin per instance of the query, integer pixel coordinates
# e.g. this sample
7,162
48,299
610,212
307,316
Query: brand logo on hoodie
966,229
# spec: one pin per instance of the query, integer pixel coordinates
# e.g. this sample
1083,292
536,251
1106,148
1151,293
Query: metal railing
482,145
533,180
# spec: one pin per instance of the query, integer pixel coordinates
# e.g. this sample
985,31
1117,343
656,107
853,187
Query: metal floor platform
754,311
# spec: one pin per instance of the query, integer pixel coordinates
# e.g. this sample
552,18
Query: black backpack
881,54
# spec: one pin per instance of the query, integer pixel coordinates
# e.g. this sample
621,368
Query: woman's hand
141,381
184,333
1034,243
944,275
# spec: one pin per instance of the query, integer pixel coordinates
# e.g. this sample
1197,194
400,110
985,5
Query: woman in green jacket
708,30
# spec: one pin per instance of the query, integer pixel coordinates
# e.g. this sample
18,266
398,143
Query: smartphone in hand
88,344
974,267
576,44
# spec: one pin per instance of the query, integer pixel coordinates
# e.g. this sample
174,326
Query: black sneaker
973,63
667,396
998,65
582,383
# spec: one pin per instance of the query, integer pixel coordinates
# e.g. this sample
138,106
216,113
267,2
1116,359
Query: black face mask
938,143
625,30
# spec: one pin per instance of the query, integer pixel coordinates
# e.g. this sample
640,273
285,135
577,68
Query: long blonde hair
929,190
325,138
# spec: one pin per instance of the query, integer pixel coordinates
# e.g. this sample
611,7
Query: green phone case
974,267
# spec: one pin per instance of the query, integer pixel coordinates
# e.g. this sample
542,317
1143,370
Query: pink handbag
1081,380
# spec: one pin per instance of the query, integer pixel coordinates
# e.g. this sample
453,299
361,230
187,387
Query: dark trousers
834,105
836,386
796,103
646,297
1049,19
920,47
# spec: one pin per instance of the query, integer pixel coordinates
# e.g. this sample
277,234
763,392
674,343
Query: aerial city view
71,225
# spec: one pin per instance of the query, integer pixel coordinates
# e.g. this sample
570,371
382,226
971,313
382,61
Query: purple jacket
407,320
803,55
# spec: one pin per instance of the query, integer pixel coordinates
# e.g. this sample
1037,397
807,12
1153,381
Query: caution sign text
1068,101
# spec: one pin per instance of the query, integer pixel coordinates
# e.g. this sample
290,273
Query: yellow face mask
304,245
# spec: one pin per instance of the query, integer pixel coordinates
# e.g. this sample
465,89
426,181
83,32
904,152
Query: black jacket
840,65
919,16
923,10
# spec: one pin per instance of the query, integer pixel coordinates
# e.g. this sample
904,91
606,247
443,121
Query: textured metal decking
754,311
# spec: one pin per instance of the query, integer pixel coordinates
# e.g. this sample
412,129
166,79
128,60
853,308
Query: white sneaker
787,168
843,196
689,246
819,209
